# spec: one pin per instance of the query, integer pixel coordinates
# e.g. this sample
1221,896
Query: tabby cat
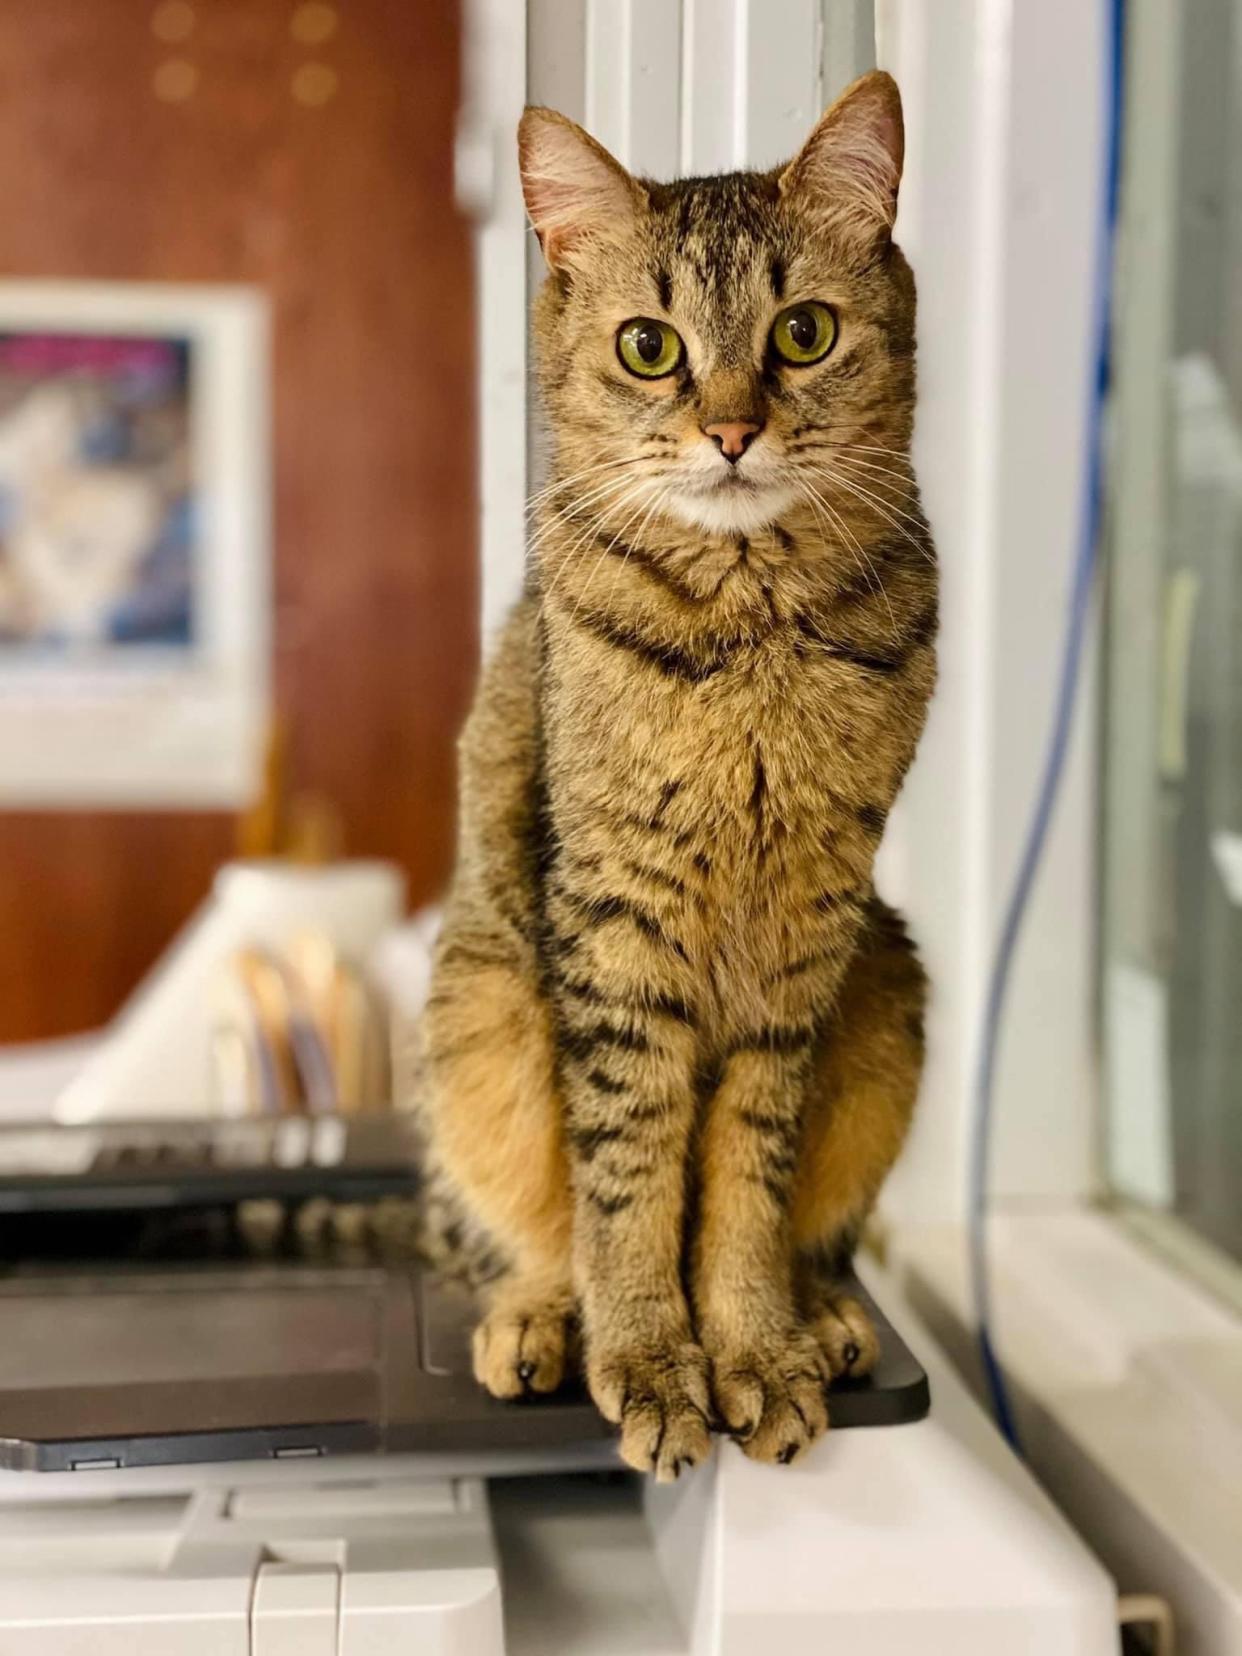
674,1037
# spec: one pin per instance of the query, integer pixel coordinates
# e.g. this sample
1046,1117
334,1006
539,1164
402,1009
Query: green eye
649,348
804,333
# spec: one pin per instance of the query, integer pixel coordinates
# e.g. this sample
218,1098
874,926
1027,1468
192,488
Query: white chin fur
729,511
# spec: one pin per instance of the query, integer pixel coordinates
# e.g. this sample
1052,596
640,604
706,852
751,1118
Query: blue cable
1054,762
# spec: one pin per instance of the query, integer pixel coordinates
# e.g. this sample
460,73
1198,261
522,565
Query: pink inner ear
850,167
553,206
571,186
862,167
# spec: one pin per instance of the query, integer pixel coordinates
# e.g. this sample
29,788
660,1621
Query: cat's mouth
728,482
731,503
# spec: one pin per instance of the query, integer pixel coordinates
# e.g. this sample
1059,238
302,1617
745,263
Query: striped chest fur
723,756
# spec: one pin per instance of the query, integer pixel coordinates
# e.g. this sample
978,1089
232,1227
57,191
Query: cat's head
712,347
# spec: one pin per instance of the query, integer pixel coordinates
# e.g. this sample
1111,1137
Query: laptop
144,1324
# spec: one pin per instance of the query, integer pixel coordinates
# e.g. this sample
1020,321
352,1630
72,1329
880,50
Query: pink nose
733,437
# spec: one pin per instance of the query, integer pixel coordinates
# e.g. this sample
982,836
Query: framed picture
134,545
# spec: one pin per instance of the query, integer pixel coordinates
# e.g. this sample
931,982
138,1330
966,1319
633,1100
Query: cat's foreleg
768,1370
628,1076
497,1146
807,1120
859,1105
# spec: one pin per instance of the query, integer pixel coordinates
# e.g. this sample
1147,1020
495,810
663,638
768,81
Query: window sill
1128,1392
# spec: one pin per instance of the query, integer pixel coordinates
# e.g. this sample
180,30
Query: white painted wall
633,76
487,181
998,214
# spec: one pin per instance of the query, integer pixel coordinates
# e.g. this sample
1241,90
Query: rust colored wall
342,210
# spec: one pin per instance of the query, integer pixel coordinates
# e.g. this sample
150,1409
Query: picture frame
135,545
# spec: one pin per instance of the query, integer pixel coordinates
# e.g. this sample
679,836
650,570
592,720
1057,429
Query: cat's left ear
576,193
848,170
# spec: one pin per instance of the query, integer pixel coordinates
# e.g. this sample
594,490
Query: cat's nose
733,437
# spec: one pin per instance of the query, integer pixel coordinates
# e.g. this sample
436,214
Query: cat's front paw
520,1350
659,1398
770,1395
845,1334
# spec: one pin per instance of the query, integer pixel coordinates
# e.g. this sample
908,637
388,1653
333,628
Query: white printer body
928,1536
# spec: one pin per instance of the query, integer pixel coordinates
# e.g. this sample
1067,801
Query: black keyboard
170,1164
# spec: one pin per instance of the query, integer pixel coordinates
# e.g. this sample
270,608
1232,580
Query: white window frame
1114,1354
1004,103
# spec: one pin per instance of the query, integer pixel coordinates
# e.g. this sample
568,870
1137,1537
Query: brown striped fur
675,1037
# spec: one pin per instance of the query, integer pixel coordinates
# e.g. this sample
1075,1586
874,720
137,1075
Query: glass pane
1172,990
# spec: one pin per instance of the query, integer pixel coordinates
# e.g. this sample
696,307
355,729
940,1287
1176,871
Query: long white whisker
595,568
829,527
867,494
634,490
870,448
596,525
559,483
847,458
882,509
581,533
615,488
870,572
600,491
658,501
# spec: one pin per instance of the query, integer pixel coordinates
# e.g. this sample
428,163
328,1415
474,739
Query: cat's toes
519,1352
846,1336
659,1399
773,1403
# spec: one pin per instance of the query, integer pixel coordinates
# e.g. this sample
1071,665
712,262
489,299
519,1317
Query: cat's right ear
575,191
